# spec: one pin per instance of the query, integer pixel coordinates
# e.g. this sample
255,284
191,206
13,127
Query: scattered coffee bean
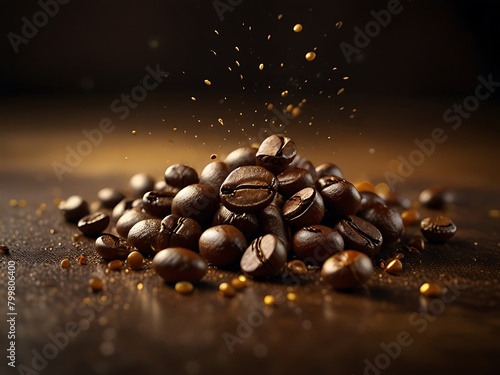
179,264
437,229
82,260
180,176
222,245
265,257
158,203
140,184
294,180
431,290
316,243
198,202
269,300
417,243
227,290
111,247
436,197
275,153
74,208
386,220
110,197
65,263
241,157
248,189
340,196
115,265
239,282
94,224
360,235
305,207
247,223
394,267
96,284
135,261
297,267
214,174
347,269
177,231
124,205
184,287
143,235
328,170
129,219
410,217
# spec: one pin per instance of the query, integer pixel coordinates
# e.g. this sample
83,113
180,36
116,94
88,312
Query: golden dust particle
184,287
261,66
115,265
241,77
227,290
345,78
289,108
354,110
340,91
280,16
134,132
207,82
334,68
310,56
291,296
282,65
494,213
237,49
238,284
310,124
104,298
22,203
193,98
364,186
96,284
341,108
284,94
382,189
65,263
174,129
269,37
221,121
82,260
270,106
394,267
12,202
52,231
140,286
339,24
296,111
431,290
237,63
297,28
269,300
215,31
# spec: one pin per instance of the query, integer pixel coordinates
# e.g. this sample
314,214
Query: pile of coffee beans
263,211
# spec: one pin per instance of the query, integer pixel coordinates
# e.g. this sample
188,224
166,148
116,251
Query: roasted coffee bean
369,198
222,245
305,207
158,203
111,247
272,222
246,223
437,229
276,152
347,269
410,217
436,197
74,208
316,243
94,224
328,170
124,205
396,201
386,220
109,197
198,202
248,189
417,243
135,261
294,180
140,184
303,163
364,186
179,264
340,196
180,176
214,174
143,235
265,257
431,290
178,231
129,219
360,235
241,157
297,267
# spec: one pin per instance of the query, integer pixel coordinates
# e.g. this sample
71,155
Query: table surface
138,324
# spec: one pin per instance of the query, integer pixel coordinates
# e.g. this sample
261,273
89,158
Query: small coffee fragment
269,300
394,267
82,260
297,267
184,287
239,282
65,263
410,217
115,265
135,261
431,290
438,229
227,290
96,284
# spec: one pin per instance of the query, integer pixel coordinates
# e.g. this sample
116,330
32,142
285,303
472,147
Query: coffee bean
437,229
316,243
347,269
303,163
111,247
396,201
386,220
410,217
417,243
180,176
436,197
109,197
297,267
143,235
94,224
394,267
124,205
140,184
178,231
158,203
265,257
360,235
431,290
129,219
328,170
135,261
248,189
198,202
369,198
304,208
179,264
276,152
241,157
246,223
340,196
272,222
74,208
222,245
214,174
294,180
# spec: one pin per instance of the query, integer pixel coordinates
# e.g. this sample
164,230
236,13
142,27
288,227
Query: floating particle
239,282
153,43
270,106
345,78
371,151
237,63
494,213
340,91
261,67
140,286
431,290
237,49
282,65
134,132
174,129
215,31
269,300
339,24
296,111
215,53
289,108
310,56
213,156
221,121
52,231
82,260
65,263
284,94
280,16
297,28
291,296
12,202
193,98
207,82
22,203
269,37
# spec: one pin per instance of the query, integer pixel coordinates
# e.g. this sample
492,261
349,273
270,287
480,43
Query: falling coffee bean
276,152
180,176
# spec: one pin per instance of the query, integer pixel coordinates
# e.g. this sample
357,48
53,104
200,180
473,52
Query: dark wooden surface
155,330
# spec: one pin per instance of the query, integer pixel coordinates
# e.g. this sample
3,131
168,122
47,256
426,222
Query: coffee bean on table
214,174
143,235
293,180
140,184
386,220
347,269
436,197
94,224
247,223
109,197
438,229
222,245
248,189
129,219
265,257
328,169
340,196
179,264
198,202
178,231
272,222
305,207
316,243
360,235
111,247
180,176
74,208
158,203
276,152
124,205
241,157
